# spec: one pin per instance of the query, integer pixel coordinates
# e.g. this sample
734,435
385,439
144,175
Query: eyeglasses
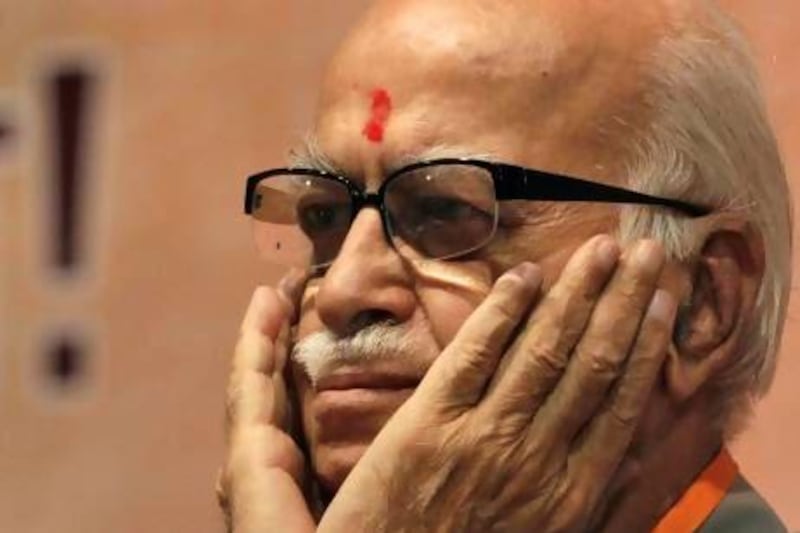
439,209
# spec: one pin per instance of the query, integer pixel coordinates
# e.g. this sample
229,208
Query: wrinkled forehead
524,79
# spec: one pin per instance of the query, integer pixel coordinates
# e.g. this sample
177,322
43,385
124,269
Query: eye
445,209
319,218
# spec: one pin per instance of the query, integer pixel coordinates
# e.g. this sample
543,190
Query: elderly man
544,249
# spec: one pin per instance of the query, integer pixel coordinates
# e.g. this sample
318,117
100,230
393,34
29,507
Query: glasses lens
441,211
300,220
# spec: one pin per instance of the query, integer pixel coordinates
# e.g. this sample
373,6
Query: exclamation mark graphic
70,91
6,136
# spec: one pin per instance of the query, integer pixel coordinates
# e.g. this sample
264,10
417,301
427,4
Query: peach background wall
184,99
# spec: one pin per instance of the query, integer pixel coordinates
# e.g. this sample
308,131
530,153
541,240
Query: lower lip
334,405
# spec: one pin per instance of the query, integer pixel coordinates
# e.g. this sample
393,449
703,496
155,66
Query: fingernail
662,307
528,273
607,252
287,286
649,255
290,288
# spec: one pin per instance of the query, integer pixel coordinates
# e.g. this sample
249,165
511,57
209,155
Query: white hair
710,142
322,353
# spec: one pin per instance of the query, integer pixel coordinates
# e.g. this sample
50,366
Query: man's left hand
519,424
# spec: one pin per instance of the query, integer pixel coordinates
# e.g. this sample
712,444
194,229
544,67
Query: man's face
534,94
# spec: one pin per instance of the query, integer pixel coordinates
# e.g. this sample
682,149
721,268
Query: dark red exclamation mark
70,92
6,137
5,132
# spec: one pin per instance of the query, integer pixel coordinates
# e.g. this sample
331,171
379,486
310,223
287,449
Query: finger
256,398
222,491
264,470
265,314
460,374
251,387
600,354
538,357
607,437
284,510
258,447
290,290
262,482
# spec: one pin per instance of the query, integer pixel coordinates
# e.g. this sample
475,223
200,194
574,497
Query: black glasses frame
511,182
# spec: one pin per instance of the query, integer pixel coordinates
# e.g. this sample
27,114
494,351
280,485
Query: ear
724,291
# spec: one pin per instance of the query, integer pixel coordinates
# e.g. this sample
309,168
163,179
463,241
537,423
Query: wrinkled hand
259,486
522,421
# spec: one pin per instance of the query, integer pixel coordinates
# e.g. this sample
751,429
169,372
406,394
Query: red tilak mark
381,109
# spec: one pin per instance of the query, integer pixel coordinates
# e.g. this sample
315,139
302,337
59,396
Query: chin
340,426
332,464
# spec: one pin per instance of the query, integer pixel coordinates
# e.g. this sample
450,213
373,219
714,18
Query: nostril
371,317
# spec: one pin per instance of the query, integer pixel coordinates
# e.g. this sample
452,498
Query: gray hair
710,142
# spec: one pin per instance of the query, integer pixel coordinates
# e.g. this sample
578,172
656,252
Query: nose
367,282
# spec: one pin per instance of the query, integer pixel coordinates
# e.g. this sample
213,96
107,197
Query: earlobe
710,329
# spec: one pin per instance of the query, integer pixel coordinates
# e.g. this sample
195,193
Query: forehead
529,86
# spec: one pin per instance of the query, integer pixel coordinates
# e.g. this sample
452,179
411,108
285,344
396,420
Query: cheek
446,313
448,293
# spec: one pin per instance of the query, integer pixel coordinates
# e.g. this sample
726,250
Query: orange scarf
702,497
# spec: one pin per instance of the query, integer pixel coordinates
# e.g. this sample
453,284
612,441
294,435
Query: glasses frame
511,182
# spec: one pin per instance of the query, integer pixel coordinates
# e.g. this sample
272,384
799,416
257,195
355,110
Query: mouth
354,405
377,381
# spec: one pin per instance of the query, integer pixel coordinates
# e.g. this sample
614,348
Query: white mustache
320,354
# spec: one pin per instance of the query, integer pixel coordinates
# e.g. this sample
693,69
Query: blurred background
126,129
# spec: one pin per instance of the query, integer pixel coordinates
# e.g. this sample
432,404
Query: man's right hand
259,486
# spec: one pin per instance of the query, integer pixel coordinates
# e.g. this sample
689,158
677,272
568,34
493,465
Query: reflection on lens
441,211
300,220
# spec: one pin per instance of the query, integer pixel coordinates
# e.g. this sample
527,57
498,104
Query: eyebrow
440,151
310,155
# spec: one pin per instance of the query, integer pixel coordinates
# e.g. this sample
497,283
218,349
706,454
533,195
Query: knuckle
548,361
632,284
576,505
472,349
223,482
568,505
473,358
622,415
657,330
506,430
602,358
